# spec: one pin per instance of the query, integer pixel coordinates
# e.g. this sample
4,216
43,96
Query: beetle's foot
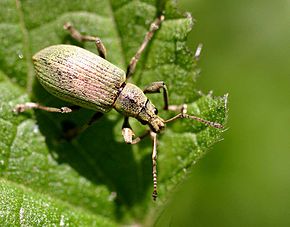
65,110
67,26
19,108
154,195
128,135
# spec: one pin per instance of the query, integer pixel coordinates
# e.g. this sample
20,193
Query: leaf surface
95,179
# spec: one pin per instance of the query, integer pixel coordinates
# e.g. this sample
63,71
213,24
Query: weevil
90,81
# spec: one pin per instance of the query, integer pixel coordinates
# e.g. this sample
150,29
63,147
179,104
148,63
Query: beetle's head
148,115
132,102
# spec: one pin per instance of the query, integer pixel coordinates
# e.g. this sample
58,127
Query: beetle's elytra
78,76
89,81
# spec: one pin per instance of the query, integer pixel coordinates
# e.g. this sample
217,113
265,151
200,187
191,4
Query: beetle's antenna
184,115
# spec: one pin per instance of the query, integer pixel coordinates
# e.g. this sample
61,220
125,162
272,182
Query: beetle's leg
178,108
183,114
72,132
155,87
31,105
93,119
81,38
153,136
153,28
128,133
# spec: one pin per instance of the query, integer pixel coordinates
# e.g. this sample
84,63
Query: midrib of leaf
118,32
144,58
30,71
145,53
26,47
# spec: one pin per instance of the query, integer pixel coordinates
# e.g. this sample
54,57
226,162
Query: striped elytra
78,76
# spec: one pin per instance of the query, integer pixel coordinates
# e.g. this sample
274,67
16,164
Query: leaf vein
27,54
118,31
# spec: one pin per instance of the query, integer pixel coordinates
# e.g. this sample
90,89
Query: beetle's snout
157,124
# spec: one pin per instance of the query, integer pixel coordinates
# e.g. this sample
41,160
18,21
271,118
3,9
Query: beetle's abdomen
78,76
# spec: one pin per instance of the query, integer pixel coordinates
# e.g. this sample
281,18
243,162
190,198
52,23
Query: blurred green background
245,179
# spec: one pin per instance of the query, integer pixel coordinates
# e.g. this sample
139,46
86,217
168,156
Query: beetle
87,80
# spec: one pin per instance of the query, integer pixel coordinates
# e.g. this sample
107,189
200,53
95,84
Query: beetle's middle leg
81,38
153,28
74,131
93,119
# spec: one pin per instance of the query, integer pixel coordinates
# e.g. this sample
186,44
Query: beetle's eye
155,111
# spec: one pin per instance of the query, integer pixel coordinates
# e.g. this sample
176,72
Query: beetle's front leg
19,108
153,136
155,87
127,131
81,38
178,108
183,114
128,135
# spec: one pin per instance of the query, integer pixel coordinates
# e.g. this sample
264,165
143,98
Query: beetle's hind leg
153,28
81,38
19,108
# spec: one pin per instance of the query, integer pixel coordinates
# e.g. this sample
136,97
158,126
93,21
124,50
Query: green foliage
95,179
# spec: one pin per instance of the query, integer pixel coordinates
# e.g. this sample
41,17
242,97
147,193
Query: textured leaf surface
95,179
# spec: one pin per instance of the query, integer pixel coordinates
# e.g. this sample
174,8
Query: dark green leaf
95,179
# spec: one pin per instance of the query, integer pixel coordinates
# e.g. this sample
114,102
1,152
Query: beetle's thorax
132,102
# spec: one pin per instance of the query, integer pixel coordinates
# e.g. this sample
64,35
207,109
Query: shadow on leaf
95,154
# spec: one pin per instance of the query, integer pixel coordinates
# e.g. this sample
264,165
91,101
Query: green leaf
21,206
95,179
